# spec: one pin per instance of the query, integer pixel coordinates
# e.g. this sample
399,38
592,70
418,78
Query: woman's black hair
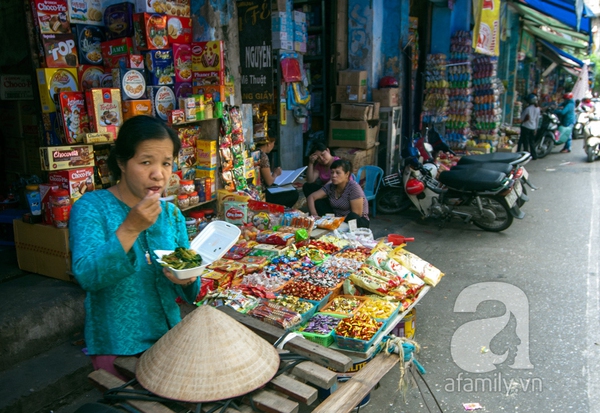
320,147
344,164
134,131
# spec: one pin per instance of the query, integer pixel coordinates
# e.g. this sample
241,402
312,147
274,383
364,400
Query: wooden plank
353,391
104,381
315,374
296,390
313,351
269,402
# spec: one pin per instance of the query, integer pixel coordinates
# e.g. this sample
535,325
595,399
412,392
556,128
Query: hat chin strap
283,340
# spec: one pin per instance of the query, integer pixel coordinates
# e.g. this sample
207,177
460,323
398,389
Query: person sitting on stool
286,198
342,197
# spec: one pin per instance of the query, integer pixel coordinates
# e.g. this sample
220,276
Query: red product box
60,50
179,29
76,181
90,77
51,16
182,60
208,78
45,202
73,116
116,51
150,31
208,56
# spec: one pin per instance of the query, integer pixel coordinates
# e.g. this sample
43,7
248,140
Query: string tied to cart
406,349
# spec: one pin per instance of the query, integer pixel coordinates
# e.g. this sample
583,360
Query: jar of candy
194,200
60,204
186,186
183,201
191,228
200,220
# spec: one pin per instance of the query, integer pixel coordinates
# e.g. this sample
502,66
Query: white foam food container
212,243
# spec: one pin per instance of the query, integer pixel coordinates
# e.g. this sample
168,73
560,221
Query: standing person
318,172
566,114
346,197
529,124
286,198
130,299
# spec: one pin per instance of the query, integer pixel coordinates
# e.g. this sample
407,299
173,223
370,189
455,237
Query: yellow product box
53,81
133,108
56,158
224,195
206,153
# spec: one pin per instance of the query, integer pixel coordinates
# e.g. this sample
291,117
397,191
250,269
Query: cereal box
133,108
159,64
60,50
150,31
115,52
131,82
86,11
182,60
104,110
179,29
53,81
163,100
208,56
90,77
77,181
183,90
169,7
208,78
74,116
118,20
66,157
51,16
88,40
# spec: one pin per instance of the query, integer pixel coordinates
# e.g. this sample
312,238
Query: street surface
530,342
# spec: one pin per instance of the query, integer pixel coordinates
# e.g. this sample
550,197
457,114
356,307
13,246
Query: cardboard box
150,31
131,83
86,11
169,7
352,78
355,111
116,53
88,40
224,195
353,94
56,158
179,29
73,116
53,81
104,110
43,249
182,60
208,78
118,20
206,153
159,67
90,77
163,100
77,181
358,157
60,50
51,16
133,108
353,133
388,97
208,56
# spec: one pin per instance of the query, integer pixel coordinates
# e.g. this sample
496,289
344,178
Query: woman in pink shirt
318,172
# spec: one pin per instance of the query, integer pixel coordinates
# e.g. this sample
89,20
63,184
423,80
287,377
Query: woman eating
346,197
286,198
318,172
130,301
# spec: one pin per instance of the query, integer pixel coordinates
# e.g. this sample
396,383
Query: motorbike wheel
497,217
392,200
545,145
591,155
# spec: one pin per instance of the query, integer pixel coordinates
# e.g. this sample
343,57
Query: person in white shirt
529,124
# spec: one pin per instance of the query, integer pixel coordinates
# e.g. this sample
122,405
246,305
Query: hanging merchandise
435,104
460,102
290,68
487,90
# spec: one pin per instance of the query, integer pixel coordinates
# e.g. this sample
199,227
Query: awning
561,53
564,11
551,37
568,62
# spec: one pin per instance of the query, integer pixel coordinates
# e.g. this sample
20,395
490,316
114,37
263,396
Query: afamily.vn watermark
495,384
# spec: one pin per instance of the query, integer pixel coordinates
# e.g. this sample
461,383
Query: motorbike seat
472,179
505,168
502,157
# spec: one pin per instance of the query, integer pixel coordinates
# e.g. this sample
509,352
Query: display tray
212,243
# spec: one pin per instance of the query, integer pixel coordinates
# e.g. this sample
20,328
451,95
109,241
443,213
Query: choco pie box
77,181
51,16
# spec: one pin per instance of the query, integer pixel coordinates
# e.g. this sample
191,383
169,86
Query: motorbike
547,136
583,117
591,145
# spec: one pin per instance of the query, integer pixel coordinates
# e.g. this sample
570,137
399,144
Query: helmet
568,96
388,81
586,100
414,186
532,98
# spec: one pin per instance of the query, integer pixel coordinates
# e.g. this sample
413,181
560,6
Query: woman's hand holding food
141,217
169,274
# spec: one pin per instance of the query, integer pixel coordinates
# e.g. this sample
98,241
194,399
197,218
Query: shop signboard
16,87
256,61
486,35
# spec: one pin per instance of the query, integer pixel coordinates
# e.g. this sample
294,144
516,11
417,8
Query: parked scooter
583,117
592,138
547,136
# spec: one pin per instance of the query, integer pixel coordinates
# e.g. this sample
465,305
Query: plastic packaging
61,207
34,200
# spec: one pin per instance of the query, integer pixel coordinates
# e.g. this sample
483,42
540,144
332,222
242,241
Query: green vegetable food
182,259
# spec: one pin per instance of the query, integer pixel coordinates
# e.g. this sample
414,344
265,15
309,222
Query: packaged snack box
133,108
163,100
90,77
179,29
74,116
182,90
136,61
159,66
130,82
118,20
208,56
51,16
53,81
150,31
168,7
208,78
104,110
182,60
218,92
89,40
66,157
77,181
116,52
86,11
60,50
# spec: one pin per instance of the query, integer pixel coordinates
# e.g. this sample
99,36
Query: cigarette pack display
104,110
130,82
150,31
53,81
208,56
51,16
60,50
77,181
116,52
89,43
159,66
86,11
118,20
74,116
163,100
56,158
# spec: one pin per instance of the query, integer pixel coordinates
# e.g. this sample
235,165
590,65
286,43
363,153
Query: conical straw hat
208,356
